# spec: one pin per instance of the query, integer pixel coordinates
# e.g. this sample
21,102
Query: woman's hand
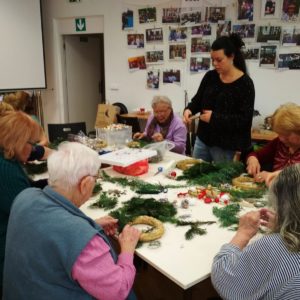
157,137
108,224
206,115
266,177
128,239
248,227
268,218
138,135
253,166
186,116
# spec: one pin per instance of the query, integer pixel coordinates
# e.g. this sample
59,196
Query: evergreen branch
105,202
227,215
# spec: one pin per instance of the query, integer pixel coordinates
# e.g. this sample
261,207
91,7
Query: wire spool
246,183
187,163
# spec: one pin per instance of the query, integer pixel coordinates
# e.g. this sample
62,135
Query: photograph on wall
215,14
178,34
137,63
251,52
155,57
171,15
147,15
268,56
290,10
153,79
244,30
200,45
135,40
190,16
171,76
289,61
223,28
267,34
127,19
177,52
203,29
199,64
289,37
270,9
154,35
245,10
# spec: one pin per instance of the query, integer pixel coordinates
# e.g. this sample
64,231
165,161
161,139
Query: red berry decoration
217,200
173,174
207,200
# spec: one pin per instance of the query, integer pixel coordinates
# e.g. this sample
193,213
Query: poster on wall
153,79
127,19
154,35
177,52
290,10
203,29
270,9
245,10
200,45
135,40
223,28
289,61
244,30
251,52
199,64
267,34
215,14
178,34
171,15
137,63
289,36
147,15
268,56
155,57
171,76
190,16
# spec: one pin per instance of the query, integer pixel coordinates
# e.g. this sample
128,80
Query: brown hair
4,107
286,119
18,100
16,129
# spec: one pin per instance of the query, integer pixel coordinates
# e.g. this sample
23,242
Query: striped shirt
265,269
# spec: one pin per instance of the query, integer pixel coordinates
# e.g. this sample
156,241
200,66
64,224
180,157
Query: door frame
66,26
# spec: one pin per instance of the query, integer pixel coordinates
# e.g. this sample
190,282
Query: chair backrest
133,122
61,131
122,107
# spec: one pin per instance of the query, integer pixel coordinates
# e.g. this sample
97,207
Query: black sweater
232,106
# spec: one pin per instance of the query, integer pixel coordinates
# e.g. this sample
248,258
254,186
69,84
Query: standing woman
225,101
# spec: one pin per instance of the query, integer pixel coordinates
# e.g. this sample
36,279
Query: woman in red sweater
283,150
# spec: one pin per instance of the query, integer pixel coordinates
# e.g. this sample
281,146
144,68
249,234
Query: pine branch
227,215
105,202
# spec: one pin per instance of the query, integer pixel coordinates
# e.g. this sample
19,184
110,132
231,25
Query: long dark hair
232,46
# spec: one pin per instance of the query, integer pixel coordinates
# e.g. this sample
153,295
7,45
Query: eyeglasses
31,143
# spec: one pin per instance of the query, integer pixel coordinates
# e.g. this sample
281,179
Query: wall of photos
168,44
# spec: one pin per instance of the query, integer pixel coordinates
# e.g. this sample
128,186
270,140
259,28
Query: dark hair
232,46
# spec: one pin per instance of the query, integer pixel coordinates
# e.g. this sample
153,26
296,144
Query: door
84,77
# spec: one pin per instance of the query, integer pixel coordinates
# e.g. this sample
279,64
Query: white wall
272,87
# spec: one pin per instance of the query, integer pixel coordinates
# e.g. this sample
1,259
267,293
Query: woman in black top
225,100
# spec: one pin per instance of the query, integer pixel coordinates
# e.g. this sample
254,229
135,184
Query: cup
142,110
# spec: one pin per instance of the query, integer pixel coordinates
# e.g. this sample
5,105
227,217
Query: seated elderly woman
164,125
283,150
20,101
18,135
269,267
69,256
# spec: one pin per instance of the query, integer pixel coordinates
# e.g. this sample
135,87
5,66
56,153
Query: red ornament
225,202
202,194
173,174
207,200
217,200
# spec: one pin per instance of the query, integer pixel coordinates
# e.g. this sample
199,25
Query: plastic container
161,148
115,135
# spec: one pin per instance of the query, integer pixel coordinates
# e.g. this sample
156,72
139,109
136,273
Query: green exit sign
80,24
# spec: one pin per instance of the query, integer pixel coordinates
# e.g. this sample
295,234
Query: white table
185,262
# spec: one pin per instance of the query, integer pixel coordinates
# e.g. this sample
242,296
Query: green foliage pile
228,215
105,202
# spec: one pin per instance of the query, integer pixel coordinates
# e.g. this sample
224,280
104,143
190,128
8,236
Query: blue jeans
209,154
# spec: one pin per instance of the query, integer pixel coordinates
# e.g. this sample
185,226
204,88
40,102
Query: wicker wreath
157,231
187,163
245,183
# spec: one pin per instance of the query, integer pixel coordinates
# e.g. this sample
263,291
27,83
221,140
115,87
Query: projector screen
21,52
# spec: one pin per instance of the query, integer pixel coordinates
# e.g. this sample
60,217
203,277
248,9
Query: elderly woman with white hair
60,253
164,125
268,268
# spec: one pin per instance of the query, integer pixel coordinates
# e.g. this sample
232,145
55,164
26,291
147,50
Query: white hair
70,163
161,99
